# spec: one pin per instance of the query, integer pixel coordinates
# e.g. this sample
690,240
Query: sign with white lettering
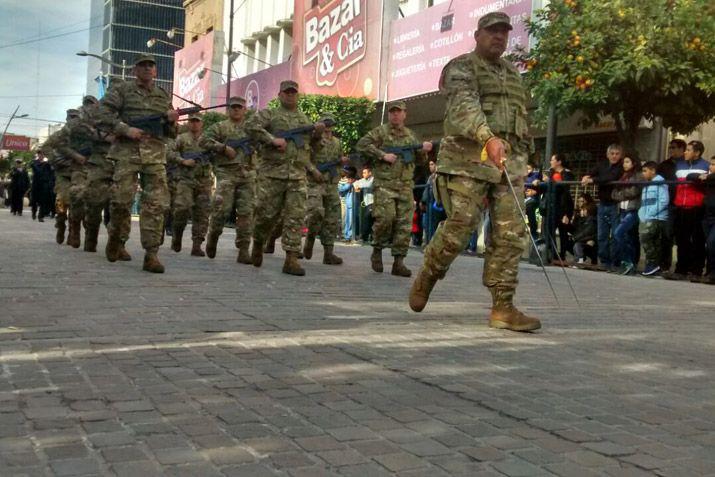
189,63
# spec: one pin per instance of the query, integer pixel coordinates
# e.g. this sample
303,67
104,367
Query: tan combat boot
308,247
291,265
114,245
123,255
421,289
90,239
243,255
329,258
60,226
399,269
508,317
176,237
196,249
257,253
152,263
376,259
73,237
211,243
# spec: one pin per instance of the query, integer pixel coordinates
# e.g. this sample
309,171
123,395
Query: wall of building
202,16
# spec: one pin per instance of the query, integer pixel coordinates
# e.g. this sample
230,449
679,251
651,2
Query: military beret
141,58
494,18
397,105
236,100
288,84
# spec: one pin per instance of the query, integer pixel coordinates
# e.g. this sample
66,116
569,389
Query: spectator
433,212
346,191
689,214
666,170
653,216
416,226
364,186
557,204
531,199
584,229
709,222
606,171
40,194
628,198
19,185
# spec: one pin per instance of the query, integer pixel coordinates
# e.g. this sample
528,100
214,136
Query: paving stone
228,455
123,454
69,451
134,469
400,461
342,457
75,467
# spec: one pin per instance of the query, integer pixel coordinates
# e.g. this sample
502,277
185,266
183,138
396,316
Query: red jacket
690,195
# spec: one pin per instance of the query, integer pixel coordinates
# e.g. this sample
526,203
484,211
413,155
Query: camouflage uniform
282,184
323,203
63,167
235,182
484,99
146,158
192,189
394,204
79,143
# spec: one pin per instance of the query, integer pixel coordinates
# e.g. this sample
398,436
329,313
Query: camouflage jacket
327,150
484,99
126,102
52,147
398,173
291,164
184,144
214,140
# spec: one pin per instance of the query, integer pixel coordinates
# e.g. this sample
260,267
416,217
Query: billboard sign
261,87
12,142
188,63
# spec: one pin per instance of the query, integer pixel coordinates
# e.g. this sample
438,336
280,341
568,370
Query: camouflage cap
18,161
328,117
141,58
72,112
195,116
288,84
494,18
397,105
89,99
236,100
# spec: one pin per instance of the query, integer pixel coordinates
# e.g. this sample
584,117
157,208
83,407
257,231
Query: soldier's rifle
244,144
296,134
197,156
154,124
330,165
407,152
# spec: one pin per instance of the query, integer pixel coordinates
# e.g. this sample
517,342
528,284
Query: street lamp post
123,66
153,41
2,138
230,49
205,70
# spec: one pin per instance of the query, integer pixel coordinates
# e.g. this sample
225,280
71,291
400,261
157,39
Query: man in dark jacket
607,214
709,221
41,194
19,184
666,170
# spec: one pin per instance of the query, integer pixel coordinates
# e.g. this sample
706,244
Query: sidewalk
217,368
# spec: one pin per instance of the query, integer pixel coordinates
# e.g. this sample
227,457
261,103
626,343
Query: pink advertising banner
261,87
188,63
422,44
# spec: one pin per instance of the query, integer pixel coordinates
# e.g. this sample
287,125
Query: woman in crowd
629,199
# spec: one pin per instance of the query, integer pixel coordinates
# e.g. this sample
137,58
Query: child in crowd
709,222
628,198
653,216
584,233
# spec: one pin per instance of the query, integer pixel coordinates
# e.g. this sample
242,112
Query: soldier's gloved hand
230,152
188,162
135,133
172,115
426,146
280,144
496,152
389,157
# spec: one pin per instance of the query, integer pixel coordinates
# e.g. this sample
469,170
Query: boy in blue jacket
653,215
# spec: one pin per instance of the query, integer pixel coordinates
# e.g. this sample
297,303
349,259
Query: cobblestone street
217,368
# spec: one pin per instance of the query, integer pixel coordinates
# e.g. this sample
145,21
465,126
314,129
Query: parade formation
276,172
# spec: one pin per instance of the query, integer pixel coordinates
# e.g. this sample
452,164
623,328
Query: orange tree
629,59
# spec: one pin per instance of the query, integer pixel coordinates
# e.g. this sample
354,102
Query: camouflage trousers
78,190
62,194
154,201
392,213
323,212
652,234
276,196
99,184
192,199
234,191
463,200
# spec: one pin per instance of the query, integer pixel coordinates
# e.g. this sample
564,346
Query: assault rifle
200,157
296,134
155,124
243,144
407,152
330,165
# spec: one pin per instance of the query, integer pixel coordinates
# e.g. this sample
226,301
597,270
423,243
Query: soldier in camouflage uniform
193,187
394,203
485,122
139,150
282,184
235,179
323,203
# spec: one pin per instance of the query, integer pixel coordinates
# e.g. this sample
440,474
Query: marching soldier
282,184
235,179
323,203
394,204
193,184
131,111
485,122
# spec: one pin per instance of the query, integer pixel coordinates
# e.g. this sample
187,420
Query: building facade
120,30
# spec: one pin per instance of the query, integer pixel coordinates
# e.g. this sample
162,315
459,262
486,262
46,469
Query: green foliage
352,114
630,59
211,118
7,164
